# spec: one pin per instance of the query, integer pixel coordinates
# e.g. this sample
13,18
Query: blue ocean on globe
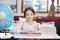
7,19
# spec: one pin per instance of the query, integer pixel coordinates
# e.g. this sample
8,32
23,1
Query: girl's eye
31,14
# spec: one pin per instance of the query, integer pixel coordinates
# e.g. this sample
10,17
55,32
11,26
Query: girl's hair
29,8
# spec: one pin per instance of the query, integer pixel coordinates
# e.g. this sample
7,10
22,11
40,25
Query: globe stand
3,30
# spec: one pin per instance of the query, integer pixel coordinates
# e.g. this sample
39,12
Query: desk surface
39,36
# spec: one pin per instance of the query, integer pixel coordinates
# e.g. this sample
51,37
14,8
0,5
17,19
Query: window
11,3
58,6
40,5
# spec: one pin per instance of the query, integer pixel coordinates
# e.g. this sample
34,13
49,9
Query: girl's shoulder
21,23
36,23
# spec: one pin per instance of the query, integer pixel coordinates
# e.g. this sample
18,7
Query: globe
6,16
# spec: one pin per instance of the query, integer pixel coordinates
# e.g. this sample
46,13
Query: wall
37,14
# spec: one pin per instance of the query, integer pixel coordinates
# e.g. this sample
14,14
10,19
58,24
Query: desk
42,36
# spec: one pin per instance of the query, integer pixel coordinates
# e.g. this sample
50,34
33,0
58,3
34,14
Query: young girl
29,26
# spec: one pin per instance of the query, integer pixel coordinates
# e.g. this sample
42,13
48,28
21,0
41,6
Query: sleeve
39,28
16,29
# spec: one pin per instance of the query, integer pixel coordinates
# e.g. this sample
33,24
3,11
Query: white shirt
34,27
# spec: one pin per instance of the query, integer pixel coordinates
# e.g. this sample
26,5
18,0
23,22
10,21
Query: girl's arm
38,28
16,29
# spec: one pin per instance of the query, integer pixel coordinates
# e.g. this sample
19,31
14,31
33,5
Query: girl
29,25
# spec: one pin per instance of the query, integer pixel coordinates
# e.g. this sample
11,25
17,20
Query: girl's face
29,15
